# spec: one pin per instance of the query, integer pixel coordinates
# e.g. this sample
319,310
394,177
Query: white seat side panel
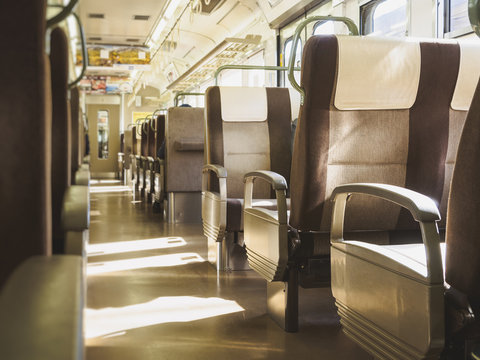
468,75
294,102
242,104
377,73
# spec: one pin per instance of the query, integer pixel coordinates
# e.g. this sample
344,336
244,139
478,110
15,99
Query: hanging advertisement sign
128,57
106,85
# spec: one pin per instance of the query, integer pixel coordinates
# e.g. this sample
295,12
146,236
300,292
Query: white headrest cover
242,104
294,102
377,73
468,75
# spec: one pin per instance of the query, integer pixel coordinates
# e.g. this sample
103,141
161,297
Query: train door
104,138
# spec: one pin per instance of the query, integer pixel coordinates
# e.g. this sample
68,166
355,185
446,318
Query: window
102,134
329,27
287,52
323,28
384,18
456,17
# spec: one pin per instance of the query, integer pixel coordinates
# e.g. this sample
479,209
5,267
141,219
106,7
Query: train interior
240,179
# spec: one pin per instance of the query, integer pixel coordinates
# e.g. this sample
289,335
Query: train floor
152,295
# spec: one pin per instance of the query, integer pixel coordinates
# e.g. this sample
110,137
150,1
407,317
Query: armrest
278,183
76,208
82,177
219,170
150,159
221,173
41,307
158,164
423,209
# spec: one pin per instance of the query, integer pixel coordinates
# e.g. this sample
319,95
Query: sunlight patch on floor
108,189
111,321
104,181
143,262
134,245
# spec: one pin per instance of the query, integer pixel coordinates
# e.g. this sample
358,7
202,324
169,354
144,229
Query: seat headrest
376,73
241,104
468,75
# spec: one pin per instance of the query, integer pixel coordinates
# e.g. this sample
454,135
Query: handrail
138,126
84,52
158,110
181,93
62,15
143,127
249,67
154,129
291,64
84,46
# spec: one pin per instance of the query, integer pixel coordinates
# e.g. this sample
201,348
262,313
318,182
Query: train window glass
255,77
384,18
457,21
288,50
102,134
231,78
323,28
298,58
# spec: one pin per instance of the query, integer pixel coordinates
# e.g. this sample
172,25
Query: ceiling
118,25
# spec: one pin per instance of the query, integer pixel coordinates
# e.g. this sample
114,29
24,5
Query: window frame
367,14
447,32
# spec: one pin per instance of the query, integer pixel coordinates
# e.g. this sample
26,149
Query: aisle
152,295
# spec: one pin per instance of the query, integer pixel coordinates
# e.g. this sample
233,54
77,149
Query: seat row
380,125
163,166
42,295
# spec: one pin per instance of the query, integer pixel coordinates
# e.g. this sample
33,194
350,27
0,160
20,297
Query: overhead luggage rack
229,51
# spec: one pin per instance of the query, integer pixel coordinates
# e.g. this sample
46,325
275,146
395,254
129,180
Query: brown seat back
258,139
184,139
160,133
358,125
61,132
25,119
463,228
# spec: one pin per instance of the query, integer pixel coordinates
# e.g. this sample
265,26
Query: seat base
282,301
386,309
228,255
183,207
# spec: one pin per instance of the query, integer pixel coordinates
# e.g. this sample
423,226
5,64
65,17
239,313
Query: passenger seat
246,129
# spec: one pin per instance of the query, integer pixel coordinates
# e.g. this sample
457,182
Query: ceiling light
172,6
158,30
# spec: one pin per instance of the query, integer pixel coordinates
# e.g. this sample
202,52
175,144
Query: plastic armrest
41,307
76,208
423,209
82,177
278,183
221,173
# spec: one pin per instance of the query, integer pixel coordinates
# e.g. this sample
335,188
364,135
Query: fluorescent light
158,30
172,6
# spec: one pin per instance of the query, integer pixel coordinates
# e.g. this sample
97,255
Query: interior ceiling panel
118,23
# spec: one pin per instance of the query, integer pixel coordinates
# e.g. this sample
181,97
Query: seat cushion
235,211
406,259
